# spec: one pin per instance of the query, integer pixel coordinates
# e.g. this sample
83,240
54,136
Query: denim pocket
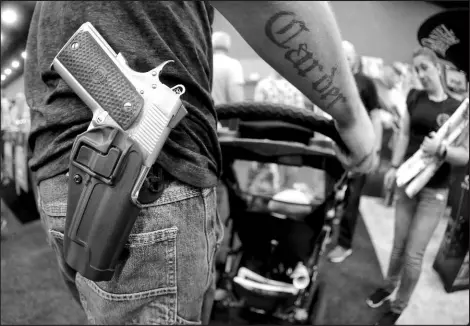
143,289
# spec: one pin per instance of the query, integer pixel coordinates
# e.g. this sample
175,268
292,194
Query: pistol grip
96,71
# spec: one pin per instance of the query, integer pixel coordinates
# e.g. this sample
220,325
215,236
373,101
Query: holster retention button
103,165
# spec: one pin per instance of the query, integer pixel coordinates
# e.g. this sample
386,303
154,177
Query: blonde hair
432,56
428,53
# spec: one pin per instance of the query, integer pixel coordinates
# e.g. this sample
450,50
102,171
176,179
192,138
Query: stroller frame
317,154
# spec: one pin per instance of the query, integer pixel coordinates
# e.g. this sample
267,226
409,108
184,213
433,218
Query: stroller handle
259,111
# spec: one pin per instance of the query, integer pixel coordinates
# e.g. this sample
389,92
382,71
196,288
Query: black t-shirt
147,33
367,91
427,116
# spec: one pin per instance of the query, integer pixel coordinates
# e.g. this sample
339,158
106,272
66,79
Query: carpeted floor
31,289
348,284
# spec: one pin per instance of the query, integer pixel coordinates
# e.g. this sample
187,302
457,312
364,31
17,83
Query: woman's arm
457,155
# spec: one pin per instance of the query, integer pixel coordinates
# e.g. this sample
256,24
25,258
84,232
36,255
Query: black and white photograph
234,163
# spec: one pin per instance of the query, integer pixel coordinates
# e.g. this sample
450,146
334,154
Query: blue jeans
416,220
168,275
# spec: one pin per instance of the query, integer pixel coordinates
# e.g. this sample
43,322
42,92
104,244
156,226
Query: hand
360,139
390,178
365,165
431,144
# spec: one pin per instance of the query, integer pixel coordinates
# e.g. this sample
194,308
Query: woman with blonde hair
417,218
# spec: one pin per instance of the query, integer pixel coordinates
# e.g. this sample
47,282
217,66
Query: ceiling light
9,16
4,77
23,54
15,64
7,71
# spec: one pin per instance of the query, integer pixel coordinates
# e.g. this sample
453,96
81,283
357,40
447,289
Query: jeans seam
85,308
206,233
127,296
171,196
171,268
149,238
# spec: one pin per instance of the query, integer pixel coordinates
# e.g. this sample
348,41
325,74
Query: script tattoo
290,25
284,27
302,56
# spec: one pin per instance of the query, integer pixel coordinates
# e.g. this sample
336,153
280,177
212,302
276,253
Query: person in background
392,99
416,218
7,125
227,87
228,80
369,97
4,124
276,89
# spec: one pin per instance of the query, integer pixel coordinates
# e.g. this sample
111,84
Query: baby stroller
275,245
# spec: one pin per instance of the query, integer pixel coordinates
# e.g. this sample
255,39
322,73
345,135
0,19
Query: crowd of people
149,288
16,120
414,106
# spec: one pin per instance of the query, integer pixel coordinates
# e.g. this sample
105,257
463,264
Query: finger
432,134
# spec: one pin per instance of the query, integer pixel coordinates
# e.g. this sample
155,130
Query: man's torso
147,34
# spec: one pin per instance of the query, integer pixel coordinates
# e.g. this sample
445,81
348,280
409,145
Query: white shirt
227,76
279,91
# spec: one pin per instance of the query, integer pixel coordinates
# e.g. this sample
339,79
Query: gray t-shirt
146,33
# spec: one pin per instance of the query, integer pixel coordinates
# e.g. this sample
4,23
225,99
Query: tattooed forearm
282,29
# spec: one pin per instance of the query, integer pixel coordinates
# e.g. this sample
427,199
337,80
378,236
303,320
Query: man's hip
166,267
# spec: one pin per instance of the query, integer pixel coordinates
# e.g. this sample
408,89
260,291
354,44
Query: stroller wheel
319,306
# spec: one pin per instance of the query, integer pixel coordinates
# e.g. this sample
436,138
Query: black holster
104,167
